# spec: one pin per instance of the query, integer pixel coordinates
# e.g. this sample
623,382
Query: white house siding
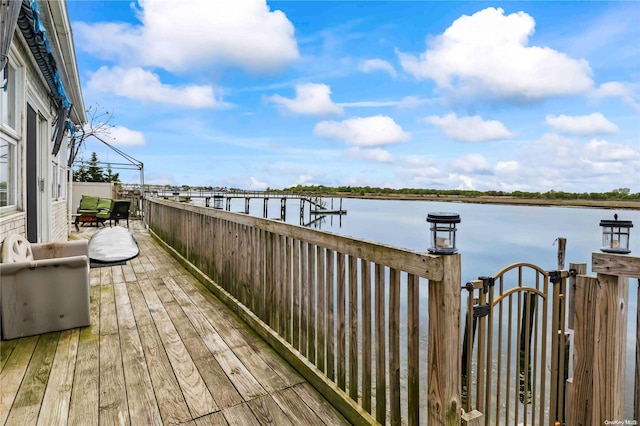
12,224
35,91
59,221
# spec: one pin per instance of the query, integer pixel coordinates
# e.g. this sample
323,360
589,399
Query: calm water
489,237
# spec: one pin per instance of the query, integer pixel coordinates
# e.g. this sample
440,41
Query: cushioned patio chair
43,287
93,209
105,208
119,210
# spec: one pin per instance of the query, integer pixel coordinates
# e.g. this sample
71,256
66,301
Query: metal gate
515,353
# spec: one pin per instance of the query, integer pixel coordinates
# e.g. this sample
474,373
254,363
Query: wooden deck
161,350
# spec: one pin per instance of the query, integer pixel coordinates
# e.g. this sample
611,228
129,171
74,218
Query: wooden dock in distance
161,350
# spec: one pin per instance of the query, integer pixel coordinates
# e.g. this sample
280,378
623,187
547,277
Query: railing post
600,349
444,347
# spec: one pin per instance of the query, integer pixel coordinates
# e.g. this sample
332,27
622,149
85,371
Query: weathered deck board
26,405
195,392
55,405
296,408
322,408
222,390
161,349
137,379
5,350
83,409
241,415
113,401
268,412
13,373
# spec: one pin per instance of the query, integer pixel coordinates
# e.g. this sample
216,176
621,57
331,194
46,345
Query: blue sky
251,94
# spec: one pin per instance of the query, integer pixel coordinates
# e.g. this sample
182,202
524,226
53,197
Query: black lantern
443,232
615,235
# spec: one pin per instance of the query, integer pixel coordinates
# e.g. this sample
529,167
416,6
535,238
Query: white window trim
16,61
15,178
13,135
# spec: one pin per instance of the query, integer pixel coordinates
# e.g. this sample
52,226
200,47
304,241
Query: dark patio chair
120,211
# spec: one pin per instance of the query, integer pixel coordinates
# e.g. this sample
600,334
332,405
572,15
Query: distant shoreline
504,200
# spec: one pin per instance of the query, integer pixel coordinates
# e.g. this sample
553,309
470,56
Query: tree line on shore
369,191
615,194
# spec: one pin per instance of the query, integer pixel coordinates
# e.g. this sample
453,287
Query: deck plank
129,274
105,276
141,398
268,412
117,274
55,405
194,389
84,405
320,406
108,318
6,347
171,402
203,327
240,414
94,276
295,407
259,369
215,419
26,405
113,394
222,389
13,373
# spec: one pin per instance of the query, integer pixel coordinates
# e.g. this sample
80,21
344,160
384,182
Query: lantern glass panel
615,236
443,232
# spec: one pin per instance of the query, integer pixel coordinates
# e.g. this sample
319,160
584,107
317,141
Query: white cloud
195,34
506,167
469,129
603,151
627,92
471,163
363,131
142,85
311,99
556,162
256,184
372,65
369,104
411,102
120,135
408,102
372,154
488,53
592,124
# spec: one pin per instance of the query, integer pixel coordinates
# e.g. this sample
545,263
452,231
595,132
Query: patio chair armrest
69,262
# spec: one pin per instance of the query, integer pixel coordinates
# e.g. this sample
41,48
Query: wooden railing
599,315
331,306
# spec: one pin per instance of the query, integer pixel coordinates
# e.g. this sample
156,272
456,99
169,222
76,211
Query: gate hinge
556,276
486,283
480,311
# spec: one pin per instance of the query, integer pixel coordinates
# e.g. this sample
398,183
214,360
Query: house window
58,180
9,96
8,183
10,86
